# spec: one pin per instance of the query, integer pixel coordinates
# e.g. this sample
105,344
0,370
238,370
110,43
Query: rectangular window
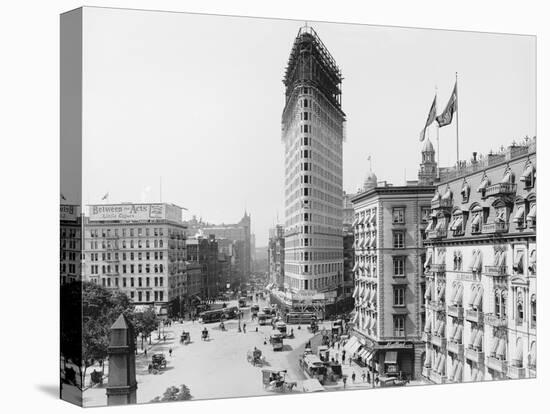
399,266
399,296
399,325
398,215
398,240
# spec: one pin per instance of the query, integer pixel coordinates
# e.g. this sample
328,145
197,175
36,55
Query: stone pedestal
122,384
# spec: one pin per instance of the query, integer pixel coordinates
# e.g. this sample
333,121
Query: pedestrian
336,356
353,377
344,355
368,377
339,348
244,327
376,380
349,361
345,379
256,329
363,375
170,351
145,352
164,338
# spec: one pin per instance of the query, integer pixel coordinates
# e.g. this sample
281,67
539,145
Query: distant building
238,233
138,249
204,250
389,252
481,269
276,257
70,249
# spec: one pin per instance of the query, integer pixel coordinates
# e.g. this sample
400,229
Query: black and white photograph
253,206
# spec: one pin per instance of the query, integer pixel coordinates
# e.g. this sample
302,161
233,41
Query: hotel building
481,269
313,134
138,249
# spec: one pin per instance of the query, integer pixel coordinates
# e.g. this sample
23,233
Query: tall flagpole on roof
437,133
456,110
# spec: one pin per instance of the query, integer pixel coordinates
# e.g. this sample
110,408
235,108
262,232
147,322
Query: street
216,368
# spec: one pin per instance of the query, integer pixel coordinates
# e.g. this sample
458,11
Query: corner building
481,269
389,279
313,134
138,249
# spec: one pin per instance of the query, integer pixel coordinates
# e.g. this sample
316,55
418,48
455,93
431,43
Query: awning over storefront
355,292
518,262
457,222
428,294
429,226
441,294
391,357
458,333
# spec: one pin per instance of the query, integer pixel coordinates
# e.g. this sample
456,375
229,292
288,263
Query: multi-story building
481,269
136,248
276,257
204,250
349,254
313,134
70,226
389,280
240,235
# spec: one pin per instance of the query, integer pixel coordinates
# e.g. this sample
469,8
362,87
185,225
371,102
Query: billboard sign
134,212
68,212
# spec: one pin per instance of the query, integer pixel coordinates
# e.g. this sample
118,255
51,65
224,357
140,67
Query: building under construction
313,134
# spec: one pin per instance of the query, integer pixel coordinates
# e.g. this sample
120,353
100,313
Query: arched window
519,308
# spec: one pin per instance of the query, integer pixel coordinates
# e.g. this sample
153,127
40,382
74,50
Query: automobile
281,327
276,341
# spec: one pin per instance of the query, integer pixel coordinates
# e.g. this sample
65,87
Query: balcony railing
455,311
473,315
496,271
436,306
492,228
474,355
455,348
516,372
439,341
500,189
437,234
442,203
437,378
112,273
499,365
496,321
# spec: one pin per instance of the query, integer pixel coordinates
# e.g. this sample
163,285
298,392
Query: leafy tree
175,394
101,308
144,323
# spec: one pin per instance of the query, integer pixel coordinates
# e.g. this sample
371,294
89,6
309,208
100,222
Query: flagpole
437,134
456,110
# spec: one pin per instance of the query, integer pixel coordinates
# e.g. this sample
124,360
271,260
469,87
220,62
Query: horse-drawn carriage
158,362
255,357
276,381
185,338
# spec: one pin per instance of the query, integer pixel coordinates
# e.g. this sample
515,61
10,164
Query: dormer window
528,176
485,182
465,192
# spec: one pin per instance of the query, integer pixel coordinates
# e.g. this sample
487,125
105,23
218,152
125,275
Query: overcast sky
197,100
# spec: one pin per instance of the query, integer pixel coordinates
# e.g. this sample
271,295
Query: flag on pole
106,196
431,117
446,116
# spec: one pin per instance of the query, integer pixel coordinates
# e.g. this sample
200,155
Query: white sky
197,100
